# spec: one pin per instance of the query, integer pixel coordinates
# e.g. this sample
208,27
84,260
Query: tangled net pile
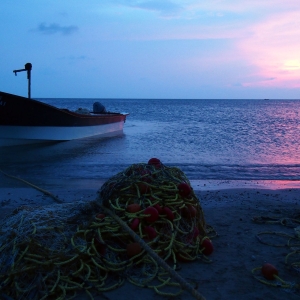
57,251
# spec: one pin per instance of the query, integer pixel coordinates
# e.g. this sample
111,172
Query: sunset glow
153,49
292,65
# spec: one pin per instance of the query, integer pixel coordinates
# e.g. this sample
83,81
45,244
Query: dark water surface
207,139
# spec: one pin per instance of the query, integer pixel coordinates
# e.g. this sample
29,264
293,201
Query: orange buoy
269,271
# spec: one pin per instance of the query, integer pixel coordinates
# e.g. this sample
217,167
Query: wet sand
230,210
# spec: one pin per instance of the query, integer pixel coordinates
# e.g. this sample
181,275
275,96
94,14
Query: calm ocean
207,139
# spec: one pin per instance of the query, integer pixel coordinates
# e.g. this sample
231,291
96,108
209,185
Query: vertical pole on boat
28,68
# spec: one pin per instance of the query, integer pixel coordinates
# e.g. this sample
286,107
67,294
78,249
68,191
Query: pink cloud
248,6
273,47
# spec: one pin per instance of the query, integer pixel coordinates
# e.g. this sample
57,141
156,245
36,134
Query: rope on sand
268,273
34,186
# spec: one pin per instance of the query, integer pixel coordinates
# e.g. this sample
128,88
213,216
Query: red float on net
184,189
153,214
208,247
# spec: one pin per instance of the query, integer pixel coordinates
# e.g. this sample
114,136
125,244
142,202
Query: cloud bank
56,28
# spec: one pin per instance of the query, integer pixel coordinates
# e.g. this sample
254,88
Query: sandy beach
229,208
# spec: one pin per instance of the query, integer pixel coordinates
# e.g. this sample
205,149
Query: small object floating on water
208,246
269,271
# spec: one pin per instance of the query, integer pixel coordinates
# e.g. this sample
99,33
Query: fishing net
54,252
289,239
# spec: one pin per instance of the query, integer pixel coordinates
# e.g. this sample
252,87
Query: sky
248,49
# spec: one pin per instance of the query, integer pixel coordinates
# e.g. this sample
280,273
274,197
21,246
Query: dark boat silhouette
25,120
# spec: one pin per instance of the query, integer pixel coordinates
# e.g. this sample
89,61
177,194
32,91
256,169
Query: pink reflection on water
207,185
276,137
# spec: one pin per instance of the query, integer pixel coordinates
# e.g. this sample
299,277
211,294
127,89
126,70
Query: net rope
289,240
54,252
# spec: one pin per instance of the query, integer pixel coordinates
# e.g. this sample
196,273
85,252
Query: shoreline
215,184
14,193
197,184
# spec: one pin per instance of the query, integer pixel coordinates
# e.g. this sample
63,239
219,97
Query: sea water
207,139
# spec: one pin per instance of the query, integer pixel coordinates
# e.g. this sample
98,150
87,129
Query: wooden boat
25,121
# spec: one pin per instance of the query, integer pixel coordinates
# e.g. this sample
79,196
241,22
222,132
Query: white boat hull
37,134
27,121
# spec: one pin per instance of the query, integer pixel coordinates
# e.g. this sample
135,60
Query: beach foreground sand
237,250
